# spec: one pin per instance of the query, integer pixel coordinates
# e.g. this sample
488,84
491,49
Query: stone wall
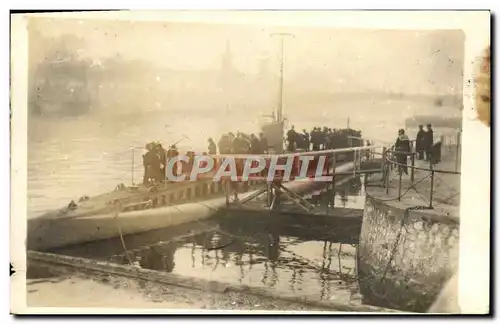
405,256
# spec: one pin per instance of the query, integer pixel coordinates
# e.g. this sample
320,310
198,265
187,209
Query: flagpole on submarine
279,115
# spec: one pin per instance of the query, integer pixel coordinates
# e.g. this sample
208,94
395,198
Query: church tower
227,62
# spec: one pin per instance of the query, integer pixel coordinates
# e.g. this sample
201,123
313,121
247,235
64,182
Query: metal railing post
399,185
387,175
384,157
412,171
432,185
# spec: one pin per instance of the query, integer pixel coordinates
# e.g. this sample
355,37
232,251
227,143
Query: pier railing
436,180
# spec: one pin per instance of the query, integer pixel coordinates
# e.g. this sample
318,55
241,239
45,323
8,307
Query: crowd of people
318,139
156,157
240,143
155,161
322,139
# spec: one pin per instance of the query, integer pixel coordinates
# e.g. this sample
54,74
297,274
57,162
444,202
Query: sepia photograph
219,164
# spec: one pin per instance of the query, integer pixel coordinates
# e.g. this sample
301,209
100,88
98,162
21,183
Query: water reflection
348,195
268,260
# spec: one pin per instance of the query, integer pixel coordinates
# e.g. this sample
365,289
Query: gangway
325,170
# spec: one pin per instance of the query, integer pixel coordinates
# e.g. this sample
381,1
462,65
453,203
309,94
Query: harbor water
307,257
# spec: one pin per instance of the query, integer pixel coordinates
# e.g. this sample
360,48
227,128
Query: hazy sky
347,59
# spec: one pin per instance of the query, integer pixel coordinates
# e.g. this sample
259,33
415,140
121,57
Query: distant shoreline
435,121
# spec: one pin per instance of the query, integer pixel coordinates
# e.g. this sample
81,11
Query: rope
117,214
398,237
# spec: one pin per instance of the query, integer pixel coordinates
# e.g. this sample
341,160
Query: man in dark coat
291,137
420,142
212,148
151,164
402,150
254,144
429,142
226,143
162,155
315,139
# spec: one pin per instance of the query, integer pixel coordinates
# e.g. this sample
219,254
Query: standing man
315,139
151,164
212,148
429,142
254,144
225,144
402,149
420,142
291,137
307,139
162,154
